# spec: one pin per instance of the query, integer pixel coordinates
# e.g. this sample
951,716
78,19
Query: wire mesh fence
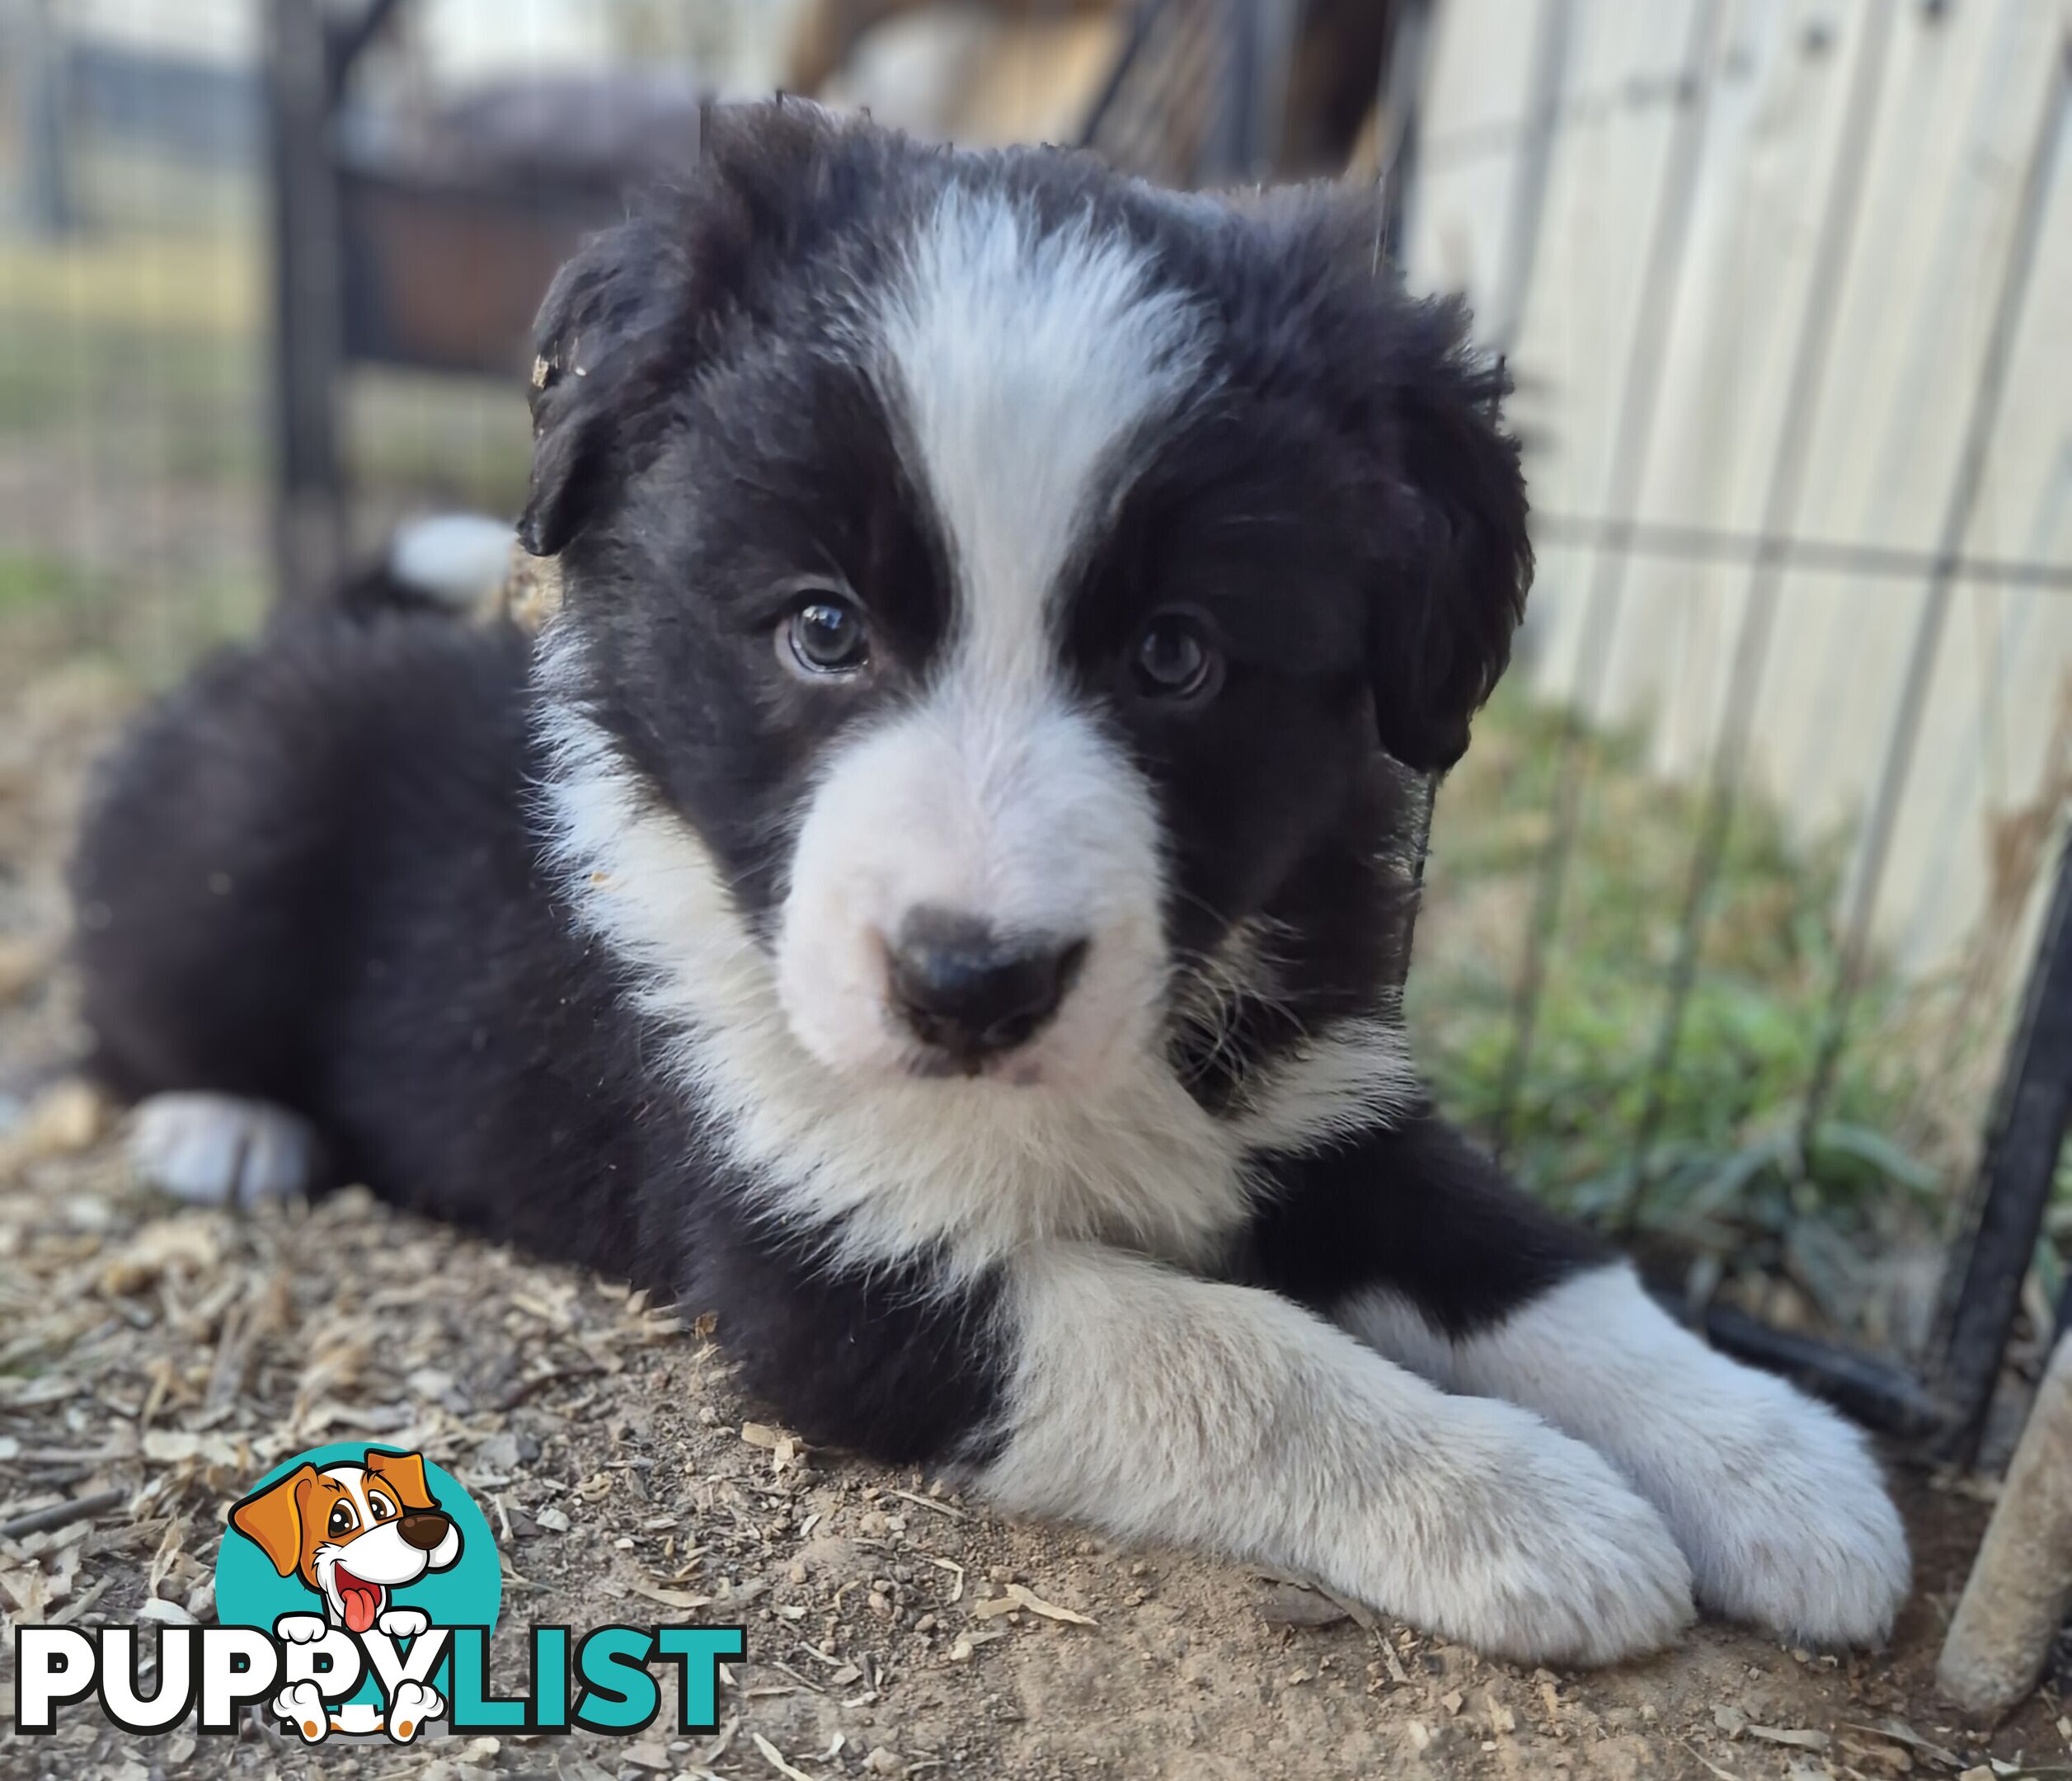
1841,1101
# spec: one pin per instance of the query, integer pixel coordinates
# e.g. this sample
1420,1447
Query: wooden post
2021,1585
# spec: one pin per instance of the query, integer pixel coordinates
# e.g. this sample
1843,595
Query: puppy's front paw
1538,1550
1786,1519
303,1708
414,1703
1774,1498
403,1623
300,1628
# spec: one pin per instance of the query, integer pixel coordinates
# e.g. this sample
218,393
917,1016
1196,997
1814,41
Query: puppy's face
353,1533
1009,573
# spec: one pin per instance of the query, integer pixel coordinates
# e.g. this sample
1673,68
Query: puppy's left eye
1173,659
825,637
385,1510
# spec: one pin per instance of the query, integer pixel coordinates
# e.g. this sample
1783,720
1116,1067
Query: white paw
219,1150
300,1628
1776,1500
1537,1550
413,1704
403,1623
1786,1518
303,1708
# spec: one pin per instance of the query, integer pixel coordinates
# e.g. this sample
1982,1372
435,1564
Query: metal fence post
1992,1253
308,515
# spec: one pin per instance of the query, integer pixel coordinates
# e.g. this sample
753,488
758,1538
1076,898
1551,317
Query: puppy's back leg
217,1150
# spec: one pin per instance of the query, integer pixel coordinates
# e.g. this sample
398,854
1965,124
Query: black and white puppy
931,896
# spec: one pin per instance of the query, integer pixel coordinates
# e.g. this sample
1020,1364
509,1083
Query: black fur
1417,1209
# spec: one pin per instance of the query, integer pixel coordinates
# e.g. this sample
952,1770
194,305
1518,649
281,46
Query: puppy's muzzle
969,994
423,1529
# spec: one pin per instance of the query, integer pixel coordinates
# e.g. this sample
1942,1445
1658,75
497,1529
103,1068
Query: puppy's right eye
825,637
343,1521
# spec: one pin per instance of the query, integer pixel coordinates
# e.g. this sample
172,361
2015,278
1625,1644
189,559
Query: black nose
969,992
423,1527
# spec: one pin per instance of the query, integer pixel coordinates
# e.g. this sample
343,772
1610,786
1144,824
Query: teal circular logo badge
347,1553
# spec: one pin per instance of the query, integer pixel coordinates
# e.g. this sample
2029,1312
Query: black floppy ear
606,318
1439,634
627,320
1446,558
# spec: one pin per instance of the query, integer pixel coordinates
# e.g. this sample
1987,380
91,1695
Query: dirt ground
173,1354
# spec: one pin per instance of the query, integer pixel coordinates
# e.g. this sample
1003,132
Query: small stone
498,1454
1287,1605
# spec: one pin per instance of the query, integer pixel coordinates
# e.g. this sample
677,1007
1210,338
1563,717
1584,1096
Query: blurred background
1748,934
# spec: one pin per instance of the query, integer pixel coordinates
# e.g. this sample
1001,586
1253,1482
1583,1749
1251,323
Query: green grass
53,612
39,589
1727,1177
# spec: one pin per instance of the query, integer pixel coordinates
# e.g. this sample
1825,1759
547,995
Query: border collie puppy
932,896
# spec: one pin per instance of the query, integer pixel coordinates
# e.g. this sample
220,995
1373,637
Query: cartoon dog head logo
363,1564
353,1533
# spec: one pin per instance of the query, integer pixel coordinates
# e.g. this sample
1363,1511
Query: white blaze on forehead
1022,362
1019,363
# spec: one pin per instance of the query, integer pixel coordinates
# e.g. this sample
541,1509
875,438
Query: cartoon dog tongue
361,1600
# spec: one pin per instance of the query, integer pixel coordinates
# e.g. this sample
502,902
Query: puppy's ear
1459,565
271,1518
606,318
627,322
1447,558
404,1473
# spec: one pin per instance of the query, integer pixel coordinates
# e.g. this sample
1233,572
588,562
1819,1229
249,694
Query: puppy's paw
1549,1556
303,1708
300,1628
219,1150
403,1623
1785,1516
414,1703
1776,1500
